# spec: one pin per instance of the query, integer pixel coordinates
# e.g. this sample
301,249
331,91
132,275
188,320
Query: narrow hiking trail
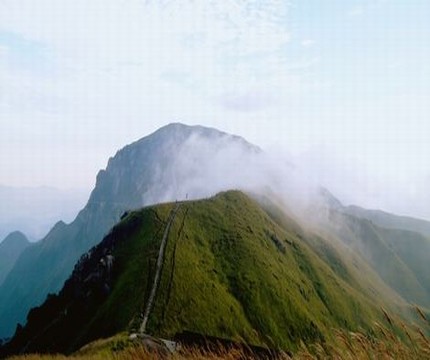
158,269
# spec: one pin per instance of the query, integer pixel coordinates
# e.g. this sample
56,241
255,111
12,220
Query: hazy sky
341,86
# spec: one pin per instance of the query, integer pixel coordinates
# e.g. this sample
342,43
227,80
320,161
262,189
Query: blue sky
342,87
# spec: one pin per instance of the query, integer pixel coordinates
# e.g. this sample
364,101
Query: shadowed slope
10,249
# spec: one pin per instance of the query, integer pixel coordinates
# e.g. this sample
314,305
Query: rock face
10,248
175,162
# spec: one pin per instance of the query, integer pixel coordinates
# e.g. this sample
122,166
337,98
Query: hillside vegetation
399,257
345,345
232,269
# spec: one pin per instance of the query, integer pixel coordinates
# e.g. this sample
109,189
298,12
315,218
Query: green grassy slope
250,277
414,250
399,257
395,248
390,221
230,270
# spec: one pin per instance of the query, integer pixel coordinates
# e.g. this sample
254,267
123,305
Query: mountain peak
10,249
181,132
16,237
176,162
329,199
173,161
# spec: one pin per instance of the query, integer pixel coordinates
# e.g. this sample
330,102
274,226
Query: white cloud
247,102
356,11
105,50
140,64
80,79
308,42
366,6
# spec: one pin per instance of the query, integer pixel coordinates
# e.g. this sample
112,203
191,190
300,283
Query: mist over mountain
397,248
174,163
180,162
391,221
34,210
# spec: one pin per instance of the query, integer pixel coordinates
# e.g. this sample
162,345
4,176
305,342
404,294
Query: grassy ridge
230,270
237,273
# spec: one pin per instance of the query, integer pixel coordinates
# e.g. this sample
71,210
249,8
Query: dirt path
158,268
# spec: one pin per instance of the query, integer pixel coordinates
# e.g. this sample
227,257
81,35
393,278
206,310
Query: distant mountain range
397,248
235,264
10,249
391,221
33,210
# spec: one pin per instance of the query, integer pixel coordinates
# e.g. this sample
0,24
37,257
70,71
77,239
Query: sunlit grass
386,344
